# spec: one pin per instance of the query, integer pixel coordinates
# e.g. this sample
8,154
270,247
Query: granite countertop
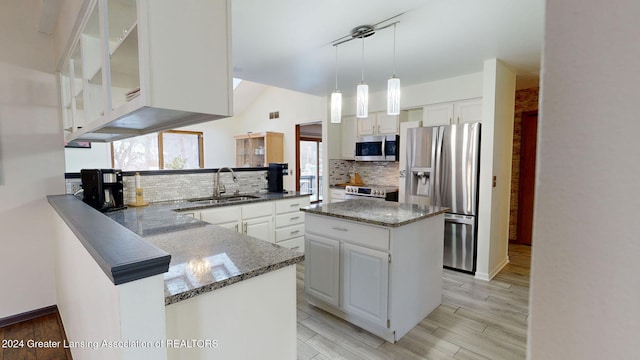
210,257
200,257
376,212
163,217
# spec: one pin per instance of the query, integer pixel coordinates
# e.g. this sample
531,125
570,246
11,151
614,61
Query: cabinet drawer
290,205
221,214
292,218
289,232
296,244
264,208
365,235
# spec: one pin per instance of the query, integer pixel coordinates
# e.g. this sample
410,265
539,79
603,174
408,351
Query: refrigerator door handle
437,169
461,219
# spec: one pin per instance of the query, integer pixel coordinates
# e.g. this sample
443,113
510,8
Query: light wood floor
476,320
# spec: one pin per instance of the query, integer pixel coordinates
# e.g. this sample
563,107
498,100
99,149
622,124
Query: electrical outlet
75,188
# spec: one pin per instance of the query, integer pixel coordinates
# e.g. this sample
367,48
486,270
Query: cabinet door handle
236,227
378,129
245,227
339,228
295,218
292,205
294,232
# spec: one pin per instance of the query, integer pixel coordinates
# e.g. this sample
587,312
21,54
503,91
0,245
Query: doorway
309,160
529,134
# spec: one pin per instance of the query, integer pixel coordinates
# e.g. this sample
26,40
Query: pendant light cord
336,67
362,59
394,50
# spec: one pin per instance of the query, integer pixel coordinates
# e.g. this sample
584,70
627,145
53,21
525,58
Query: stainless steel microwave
378,148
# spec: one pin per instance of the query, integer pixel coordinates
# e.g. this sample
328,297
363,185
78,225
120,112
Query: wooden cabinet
450,113
322,268
348,128
365,279
259,149
127,73
378,124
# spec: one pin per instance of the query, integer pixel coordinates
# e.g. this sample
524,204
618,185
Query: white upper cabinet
378,123
449,113
468,111
133,71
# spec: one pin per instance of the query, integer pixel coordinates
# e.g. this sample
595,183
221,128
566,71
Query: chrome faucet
219,188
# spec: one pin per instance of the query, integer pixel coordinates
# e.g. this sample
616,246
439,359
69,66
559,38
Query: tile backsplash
371,172
185,186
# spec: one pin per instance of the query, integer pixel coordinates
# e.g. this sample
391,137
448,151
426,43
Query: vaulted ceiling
288,43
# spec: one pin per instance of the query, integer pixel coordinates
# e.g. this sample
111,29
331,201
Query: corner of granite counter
121,254
172,299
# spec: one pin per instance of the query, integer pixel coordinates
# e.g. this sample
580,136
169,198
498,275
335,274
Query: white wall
86,297
584,287
31,159
98,157
294,107
450,89
495,160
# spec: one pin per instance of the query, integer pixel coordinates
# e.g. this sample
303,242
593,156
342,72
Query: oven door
370,148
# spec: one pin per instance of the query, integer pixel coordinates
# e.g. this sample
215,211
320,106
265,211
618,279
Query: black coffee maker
275,174
103,189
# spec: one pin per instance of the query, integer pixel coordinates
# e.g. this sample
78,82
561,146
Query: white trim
494,272
82,18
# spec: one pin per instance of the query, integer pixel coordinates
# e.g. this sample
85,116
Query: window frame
199,134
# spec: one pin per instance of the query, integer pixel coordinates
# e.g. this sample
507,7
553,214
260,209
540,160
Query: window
172,149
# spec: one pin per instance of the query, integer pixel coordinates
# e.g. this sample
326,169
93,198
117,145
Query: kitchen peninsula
376,264
172,277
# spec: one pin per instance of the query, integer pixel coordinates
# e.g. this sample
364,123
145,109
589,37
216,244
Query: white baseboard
492,273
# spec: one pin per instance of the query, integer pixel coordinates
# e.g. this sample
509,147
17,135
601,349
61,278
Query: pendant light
393,84
362,93
336,98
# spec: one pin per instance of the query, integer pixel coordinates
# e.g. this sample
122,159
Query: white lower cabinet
261,228
290,223
322,268
365,279
336,195
252,219
382,279
279,221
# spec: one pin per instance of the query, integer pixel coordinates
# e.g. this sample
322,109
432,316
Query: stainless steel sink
223,199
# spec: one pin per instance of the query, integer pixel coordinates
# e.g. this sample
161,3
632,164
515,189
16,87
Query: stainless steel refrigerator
442,169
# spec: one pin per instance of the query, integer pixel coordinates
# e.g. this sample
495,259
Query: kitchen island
376,264
175,287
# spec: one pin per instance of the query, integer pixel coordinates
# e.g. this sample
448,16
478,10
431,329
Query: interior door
527,176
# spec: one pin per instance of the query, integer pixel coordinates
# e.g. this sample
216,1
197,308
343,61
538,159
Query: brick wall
526,100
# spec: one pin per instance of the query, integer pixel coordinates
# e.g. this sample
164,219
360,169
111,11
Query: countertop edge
173,299
373,222
126,258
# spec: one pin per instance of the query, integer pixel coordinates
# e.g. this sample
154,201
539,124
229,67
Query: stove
378,192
